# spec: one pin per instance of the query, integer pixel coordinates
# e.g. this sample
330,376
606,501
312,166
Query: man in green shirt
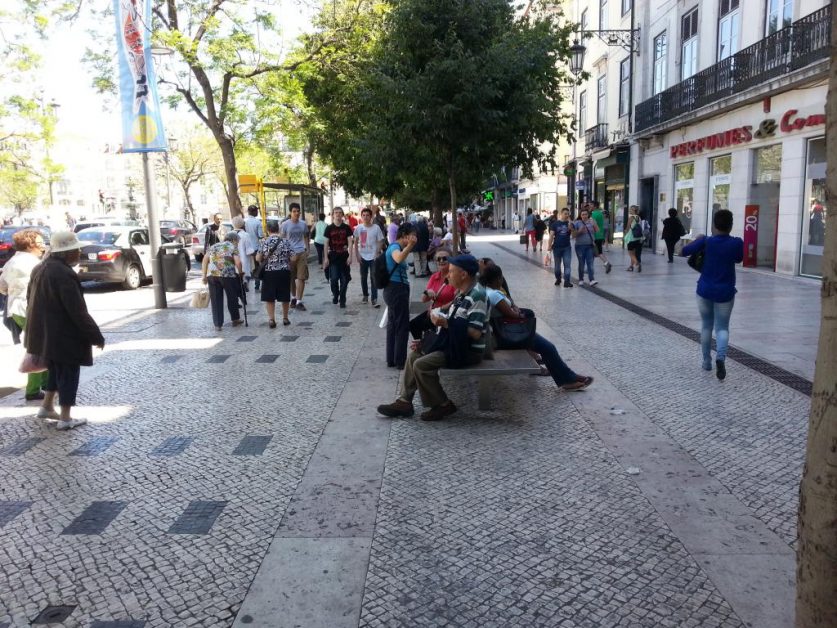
599,237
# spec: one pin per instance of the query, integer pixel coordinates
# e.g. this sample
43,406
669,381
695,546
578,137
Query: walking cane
243,297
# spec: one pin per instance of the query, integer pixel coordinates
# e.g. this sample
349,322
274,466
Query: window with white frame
602,15
660,58
601,100
779,15
729,26
582,112
626,6
624,87
585,21
689,44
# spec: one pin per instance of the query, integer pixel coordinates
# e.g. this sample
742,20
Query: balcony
596,138
802,43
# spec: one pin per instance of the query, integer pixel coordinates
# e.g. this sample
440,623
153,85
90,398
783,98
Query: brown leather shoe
582,382
237,323
437,413
398,408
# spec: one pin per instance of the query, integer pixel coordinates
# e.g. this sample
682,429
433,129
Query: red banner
751,235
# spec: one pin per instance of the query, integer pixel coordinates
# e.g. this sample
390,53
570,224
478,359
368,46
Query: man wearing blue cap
461,342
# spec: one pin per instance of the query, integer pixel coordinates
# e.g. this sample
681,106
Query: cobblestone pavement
164,507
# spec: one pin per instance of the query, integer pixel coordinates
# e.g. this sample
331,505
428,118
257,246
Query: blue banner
142,125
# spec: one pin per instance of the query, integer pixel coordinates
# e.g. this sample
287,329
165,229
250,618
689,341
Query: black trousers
420,324
670,244
338,274
218,286
397,298
63,378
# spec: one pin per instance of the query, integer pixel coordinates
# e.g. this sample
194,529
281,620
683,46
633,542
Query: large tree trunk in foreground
816,571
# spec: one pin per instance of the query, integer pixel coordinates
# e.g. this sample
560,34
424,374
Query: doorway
764,192
648,206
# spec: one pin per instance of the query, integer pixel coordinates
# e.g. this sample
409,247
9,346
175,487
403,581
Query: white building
690,106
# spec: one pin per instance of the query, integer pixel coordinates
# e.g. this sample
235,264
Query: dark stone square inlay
53,614
198,517
305,323
10,510
332,338
218,359
343,324
317,312
267,358
352,312
171,359
246,338
317,359
252,312
95,518
119,623
95,446
173,446
252,446
20,447
288,338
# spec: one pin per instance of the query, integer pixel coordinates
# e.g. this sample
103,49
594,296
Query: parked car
199,237
7,247
120,254
178,230
104,221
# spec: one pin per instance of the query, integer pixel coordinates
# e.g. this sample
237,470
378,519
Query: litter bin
174,267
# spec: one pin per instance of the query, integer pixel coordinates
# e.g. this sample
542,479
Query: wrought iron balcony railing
595,138
805,41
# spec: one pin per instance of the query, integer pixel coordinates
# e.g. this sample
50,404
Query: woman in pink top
437,294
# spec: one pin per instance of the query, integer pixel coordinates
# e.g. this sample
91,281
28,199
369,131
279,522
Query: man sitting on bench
461,342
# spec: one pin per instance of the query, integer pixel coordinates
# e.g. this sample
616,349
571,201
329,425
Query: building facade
689,106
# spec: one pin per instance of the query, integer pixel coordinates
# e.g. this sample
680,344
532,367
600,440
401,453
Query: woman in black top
672,232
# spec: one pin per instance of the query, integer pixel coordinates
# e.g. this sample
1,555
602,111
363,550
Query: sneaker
557,282
300,306
68,425
593,283
219,329
630,269
375,304
707,364
567,284
366,299
334,300
639,268
438,413
343,304
43,413
35,396
608,267
398,408
581,382
720,369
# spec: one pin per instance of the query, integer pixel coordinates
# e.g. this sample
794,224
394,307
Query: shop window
814,210
684,193
720,177
768,164
660,58
689,43
765,193
779,15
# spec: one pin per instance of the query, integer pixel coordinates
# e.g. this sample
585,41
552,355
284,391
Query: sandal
272,324
285,321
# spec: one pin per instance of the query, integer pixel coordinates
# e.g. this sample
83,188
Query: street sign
569,171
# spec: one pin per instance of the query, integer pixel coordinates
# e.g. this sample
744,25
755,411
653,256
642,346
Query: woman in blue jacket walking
716,287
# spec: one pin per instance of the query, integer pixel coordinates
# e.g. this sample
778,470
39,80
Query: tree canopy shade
446,93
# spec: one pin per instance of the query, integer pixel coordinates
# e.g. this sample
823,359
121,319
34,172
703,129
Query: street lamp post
576,66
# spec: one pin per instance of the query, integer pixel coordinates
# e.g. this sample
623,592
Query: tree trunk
816,569
228,154
188,198
309,166
435,208
454,217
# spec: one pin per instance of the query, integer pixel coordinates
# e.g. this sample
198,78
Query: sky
86,115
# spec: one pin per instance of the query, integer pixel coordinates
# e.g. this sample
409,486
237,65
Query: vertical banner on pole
142,125
751,235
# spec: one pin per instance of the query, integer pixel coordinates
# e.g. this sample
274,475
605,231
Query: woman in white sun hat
59,329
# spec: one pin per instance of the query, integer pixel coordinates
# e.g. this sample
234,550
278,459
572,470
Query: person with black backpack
633,238
396,285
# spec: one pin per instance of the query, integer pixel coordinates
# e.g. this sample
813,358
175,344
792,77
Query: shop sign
791,121
751,235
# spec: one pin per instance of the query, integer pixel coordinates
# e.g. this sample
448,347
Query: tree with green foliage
449,92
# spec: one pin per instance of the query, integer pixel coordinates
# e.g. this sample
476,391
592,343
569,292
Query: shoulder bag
259,271
592,243
515,333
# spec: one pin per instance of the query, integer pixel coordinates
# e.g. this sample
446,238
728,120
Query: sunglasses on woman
441,260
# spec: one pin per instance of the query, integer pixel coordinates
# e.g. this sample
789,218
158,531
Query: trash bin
174,267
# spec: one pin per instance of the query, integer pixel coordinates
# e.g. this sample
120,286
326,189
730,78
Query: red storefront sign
767,128
751,235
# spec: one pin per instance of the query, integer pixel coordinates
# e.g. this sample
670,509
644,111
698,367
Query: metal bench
504,362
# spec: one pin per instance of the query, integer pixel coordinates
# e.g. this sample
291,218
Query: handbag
32,363
515,333
695,260
200,298
523,238
258,272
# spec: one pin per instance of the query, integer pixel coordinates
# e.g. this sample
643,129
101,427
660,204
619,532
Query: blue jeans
365,278
584,252
563,254
339,275
714,315
561,373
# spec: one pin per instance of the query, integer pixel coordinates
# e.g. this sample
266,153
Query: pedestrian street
242,478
